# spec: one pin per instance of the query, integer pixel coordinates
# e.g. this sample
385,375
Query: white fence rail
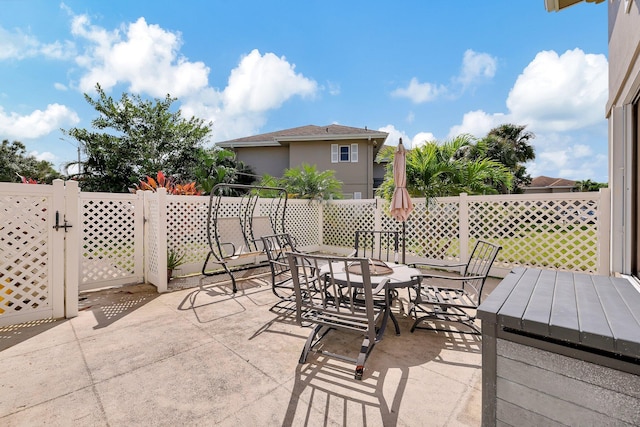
123,238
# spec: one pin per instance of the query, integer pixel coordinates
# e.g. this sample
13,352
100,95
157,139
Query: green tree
306,182
588,185
439,169
134,138
510,145
16,163
216,166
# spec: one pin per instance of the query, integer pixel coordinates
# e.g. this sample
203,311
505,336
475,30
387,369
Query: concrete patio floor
203,356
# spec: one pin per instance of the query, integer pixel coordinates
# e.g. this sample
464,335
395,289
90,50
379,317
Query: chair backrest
275,247
479,265
325,292
382,245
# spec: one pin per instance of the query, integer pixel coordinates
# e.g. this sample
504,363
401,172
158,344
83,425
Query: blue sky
420,70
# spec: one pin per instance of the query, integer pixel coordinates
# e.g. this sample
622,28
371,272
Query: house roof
558,5
546,182
305,133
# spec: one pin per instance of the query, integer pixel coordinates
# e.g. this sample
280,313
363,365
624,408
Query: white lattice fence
548,231
567,231
302,221
37,281
341,219
112,239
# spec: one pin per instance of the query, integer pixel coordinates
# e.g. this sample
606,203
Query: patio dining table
399,275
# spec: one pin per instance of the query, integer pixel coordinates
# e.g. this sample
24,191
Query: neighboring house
623,112
546,184
347,150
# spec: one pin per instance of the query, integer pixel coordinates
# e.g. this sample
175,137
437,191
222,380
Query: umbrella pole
404,242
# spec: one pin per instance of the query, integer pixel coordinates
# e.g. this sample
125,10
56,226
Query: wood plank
592,320
488,310
513,415
511,312
556,385
538,312
623,324
550,407
563,322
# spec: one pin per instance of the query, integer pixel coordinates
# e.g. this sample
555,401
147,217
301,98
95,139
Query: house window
357,195
344,153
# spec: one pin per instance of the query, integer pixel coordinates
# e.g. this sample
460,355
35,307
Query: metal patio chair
275,247
324,298
382,245
434,303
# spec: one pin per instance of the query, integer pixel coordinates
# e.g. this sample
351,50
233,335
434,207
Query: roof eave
240,144
333,137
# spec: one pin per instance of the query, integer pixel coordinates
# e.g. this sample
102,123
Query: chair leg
365,349
463,319
318,331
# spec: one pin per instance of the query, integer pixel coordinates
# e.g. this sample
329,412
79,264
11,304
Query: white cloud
36,124
477,123
422,138
476,67
49,157
60,86
419,92
334,88
561,99
561,93
258,84
395,135
146,57
264,82
18,45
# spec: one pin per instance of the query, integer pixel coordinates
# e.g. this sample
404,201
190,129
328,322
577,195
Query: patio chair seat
434,304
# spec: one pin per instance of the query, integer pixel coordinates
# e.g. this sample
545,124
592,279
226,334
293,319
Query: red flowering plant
163,181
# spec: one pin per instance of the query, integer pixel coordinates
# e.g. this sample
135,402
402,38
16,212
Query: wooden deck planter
560,348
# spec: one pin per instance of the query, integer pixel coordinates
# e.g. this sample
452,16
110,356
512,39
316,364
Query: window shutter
354,153
334,153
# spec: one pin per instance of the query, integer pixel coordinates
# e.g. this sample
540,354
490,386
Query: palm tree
510,145
441,169
305,182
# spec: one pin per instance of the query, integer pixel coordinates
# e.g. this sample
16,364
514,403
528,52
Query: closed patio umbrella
401,205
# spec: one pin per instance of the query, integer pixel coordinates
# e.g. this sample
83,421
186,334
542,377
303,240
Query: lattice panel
430,233
24,254
558,234
302,221
342,219
108,236
152,256
187,227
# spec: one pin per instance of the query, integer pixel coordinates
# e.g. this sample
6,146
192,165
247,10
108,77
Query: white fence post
72,248
162,240
463,236
138,244
321,223
604,232
57,250
377,220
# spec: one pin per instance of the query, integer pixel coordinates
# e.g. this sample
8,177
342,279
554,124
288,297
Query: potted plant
174,259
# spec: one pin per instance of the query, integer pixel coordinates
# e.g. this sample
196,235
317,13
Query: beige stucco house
624,129
547,184
349,151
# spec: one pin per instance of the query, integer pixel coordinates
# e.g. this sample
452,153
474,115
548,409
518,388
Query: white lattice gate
112,235
38,269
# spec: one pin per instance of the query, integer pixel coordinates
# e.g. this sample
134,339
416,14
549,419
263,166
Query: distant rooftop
306,133
546,181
